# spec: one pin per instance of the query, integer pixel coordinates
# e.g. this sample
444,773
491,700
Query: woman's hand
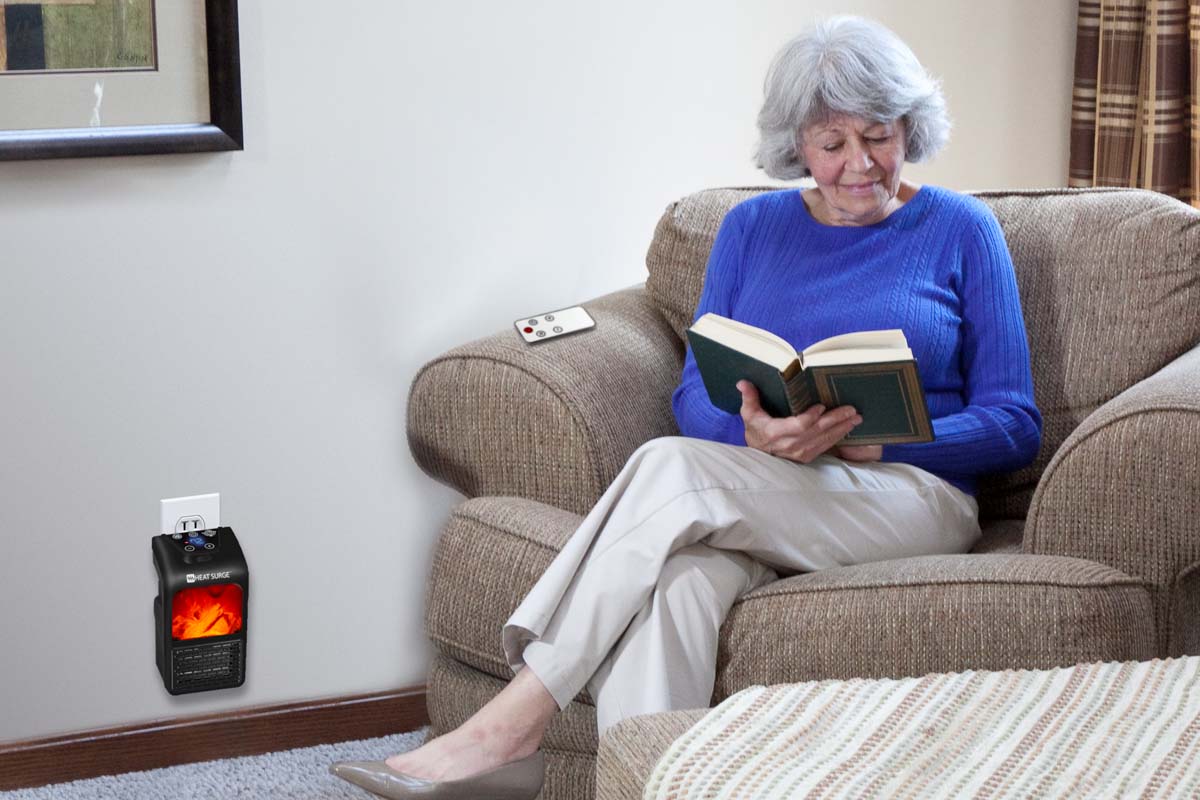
859,452
799,438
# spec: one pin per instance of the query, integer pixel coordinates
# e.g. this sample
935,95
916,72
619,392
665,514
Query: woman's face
856,164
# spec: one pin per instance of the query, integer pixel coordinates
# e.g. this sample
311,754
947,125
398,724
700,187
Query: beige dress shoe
519,780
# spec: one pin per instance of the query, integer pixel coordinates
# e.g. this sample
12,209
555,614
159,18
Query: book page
857,355
756,342
893,337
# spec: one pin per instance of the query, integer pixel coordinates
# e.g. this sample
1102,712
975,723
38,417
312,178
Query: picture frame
222,132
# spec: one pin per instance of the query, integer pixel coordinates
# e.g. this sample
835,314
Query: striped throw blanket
1110,730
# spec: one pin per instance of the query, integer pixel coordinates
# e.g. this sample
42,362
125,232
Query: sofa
1091,553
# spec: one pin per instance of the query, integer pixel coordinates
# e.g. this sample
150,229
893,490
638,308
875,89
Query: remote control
554,324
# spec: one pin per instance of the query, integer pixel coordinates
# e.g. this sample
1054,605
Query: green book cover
721,367
887,394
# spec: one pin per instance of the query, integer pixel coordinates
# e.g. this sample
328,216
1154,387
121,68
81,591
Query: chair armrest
1124,490
554,421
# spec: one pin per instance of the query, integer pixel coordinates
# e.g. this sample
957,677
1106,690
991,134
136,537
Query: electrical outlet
199,512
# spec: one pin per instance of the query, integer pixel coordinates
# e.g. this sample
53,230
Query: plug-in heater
200,611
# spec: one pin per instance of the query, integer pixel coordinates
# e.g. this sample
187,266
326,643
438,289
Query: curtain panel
1135,114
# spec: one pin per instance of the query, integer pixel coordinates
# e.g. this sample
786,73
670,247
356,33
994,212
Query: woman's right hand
800,438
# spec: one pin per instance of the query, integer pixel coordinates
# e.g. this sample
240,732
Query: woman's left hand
859,452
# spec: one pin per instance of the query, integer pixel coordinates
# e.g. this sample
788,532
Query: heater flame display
206,611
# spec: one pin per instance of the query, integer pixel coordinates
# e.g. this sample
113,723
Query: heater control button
210,546
189,548
209,533
177,536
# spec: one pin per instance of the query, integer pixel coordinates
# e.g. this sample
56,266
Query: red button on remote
528,329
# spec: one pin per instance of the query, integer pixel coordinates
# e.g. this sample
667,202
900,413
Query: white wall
416,175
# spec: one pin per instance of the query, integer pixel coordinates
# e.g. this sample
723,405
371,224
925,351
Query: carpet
300,774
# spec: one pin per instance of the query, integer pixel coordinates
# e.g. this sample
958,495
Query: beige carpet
301,774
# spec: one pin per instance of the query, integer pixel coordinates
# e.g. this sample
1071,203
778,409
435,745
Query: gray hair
853,66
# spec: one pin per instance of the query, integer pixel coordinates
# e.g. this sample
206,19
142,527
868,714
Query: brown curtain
1135,116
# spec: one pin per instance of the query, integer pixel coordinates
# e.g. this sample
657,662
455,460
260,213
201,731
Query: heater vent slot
208,666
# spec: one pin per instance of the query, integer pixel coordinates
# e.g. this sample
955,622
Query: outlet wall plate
199,512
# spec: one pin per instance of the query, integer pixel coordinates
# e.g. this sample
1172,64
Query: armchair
1092,553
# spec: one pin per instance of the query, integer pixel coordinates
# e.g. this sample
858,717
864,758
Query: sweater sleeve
694,412
1000,428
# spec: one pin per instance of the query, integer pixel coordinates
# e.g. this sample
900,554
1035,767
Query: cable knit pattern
938,268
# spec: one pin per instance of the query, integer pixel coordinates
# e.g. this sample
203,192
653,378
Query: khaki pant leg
677,491
667,657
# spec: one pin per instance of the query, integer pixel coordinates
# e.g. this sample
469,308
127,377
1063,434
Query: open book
874,371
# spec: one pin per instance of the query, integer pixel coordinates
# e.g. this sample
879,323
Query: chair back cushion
1109,282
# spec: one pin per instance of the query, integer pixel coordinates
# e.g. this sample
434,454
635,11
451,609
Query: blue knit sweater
937,267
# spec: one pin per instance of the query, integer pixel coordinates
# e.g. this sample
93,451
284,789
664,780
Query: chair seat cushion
905,617
631,749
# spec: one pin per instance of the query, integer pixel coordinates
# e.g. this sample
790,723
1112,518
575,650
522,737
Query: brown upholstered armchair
1090,554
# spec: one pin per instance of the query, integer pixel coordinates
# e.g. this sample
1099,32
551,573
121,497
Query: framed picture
83,78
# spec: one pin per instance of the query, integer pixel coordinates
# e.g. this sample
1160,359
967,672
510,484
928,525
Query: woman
631,607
